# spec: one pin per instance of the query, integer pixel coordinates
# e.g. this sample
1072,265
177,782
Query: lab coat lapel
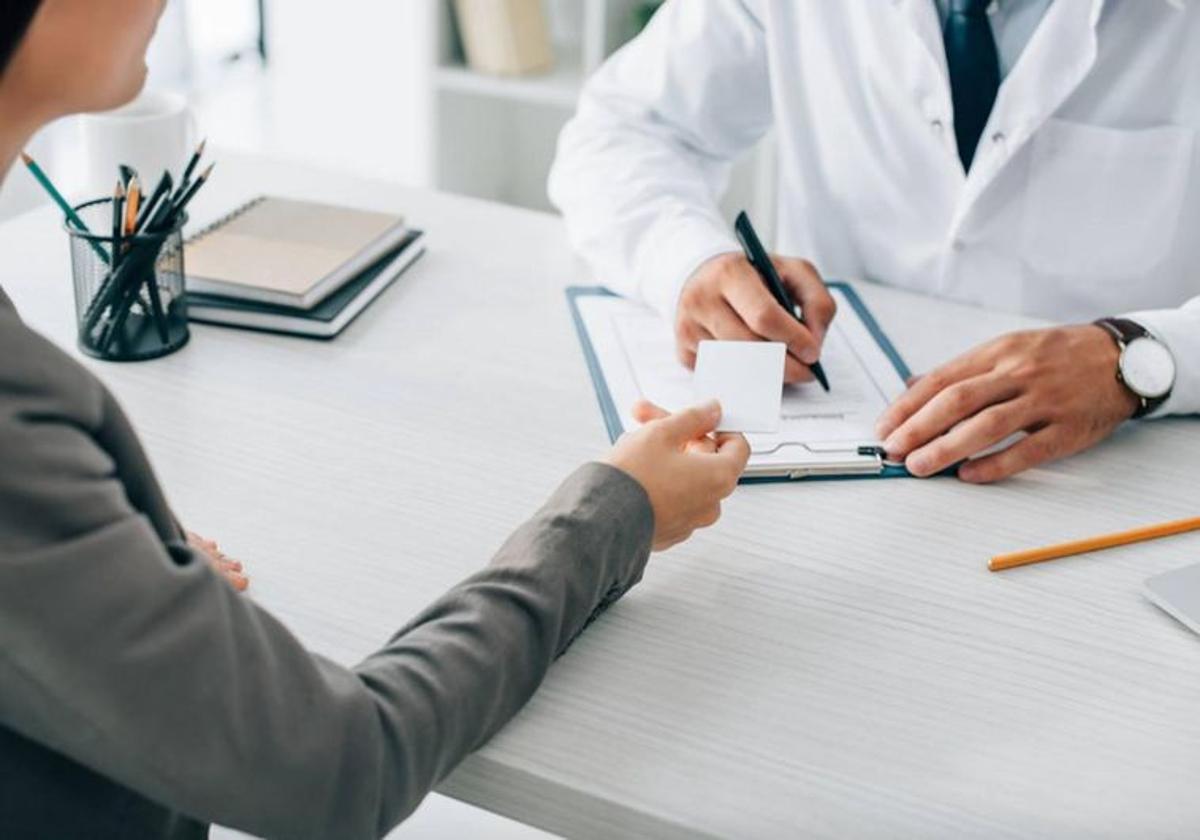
1058,57
922,16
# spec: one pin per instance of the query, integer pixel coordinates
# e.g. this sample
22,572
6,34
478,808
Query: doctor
1035,156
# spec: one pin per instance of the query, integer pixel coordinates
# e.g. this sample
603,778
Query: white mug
155,132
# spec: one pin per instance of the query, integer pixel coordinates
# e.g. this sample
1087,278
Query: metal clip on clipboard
827,461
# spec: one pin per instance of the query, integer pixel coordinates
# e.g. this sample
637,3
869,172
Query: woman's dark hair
15,16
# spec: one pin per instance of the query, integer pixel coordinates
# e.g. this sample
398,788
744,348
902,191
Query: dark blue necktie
974,72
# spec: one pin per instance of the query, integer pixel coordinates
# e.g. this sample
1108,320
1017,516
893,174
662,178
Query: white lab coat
1083,199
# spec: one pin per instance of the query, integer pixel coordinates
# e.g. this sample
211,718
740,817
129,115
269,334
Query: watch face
1148,368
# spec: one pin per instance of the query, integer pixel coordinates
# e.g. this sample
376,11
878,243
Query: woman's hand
229,569
684,468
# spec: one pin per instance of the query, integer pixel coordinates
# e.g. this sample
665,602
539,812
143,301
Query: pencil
164,188
183,202
1038,555
132,204
42,178
125,286
191,165
132,207
118,232
110,287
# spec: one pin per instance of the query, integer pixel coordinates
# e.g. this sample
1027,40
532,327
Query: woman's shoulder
39,380
72,463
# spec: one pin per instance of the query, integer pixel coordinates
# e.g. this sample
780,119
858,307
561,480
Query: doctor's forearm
640,210
642,164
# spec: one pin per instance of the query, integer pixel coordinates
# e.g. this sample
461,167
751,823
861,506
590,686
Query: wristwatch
1146,366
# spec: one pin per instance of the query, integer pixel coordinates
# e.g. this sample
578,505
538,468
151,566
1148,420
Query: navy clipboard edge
608,407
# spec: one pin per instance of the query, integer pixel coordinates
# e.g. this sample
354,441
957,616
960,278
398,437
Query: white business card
747,378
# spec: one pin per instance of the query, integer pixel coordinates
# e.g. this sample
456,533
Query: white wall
347,87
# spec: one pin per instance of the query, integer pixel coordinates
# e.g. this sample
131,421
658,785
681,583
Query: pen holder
129,297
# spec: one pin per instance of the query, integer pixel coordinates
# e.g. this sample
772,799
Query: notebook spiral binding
224,220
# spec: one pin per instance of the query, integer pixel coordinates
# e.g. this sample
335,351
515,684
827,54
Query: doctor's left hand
1057,385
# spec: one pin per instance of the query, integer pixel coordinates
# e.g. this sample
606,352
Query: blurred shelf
495,137
558,87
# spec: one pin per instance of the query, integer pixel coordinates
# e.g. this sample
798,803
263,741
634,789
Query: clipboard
811,460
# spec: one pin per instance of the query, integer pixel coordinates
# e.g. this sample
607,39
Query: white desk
832,660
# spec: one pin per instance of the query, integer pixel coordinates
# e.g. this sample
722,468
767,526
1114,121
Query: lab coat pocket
1104,202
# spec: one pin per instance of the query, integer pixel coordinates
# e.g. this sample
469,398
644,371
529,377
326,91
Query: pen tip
207,172
26,159
203,145
819,374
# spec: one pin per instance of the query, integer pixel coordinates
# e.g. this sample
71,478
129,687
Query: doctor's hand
1057,385
725,299
684,467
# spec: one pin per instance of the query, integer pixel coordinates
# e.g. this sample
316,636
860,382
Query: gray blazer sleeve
124,651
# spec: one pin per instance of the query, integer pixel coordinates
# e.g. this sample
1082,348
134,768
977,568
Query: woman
140,695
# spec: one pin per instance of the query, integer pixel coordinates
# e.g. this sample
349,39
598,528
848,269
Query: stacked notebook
293,266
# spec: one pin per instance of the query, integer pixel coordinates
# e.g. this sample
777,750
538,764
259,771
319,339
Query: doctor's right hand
725,299
683,466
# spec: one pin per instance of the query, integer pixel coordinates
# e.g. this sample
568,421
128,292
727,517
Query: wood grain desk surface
833,659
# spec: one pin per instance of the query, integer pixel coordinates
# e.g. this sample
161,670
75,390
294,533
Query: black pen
118,222
757,255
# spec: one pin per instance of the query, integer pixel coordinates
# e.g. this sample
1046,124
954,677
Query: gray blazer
141,696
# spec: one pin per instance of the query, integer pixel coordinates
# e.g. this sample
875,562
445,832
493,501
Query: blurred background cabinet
494,136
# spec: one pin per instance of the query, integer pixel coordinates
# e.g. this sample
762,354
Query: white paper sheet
636,352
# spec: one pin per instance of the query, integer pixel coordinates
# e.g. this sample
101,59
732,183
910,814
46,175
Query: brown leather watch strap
1125,331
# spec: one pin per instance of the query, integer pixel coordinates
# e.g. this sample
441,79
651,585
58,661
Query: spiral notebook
288,252
324,320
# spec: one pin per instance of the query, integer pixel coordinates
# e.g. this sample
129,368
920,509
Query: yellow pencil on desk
1052,552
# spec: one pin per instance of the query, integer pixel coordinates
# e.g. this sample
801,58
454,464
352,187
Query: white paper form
635,350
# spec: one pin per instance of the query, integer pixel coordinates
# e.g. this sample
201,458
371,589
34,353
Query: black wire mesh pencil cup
129,300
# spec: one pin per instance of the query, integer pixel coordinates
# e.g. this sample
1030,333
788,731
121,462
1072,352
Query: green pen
67,209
